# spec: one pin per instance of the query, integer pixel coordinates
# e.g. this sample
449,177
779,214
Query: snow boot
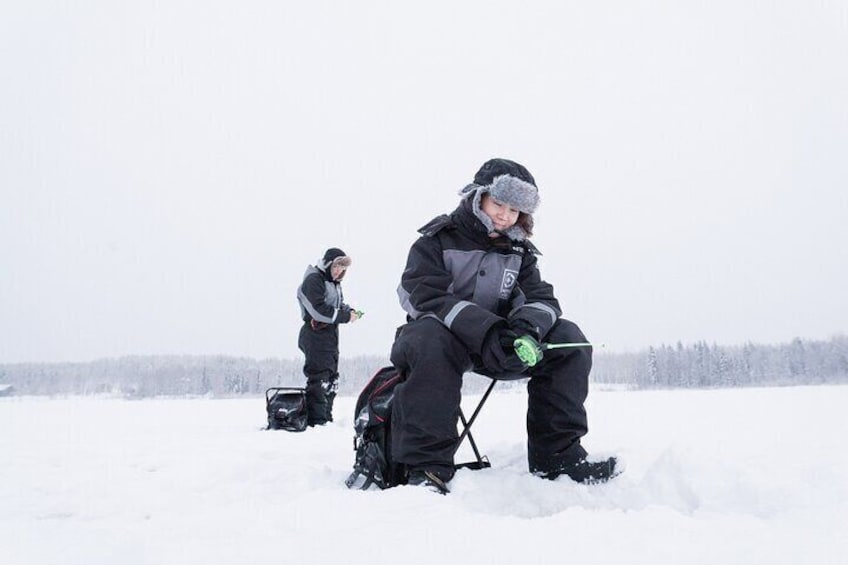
589,472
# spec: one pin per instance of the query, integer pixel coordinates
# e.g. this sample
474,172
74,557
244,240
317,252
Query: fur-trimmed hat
496,167
507,182
335,256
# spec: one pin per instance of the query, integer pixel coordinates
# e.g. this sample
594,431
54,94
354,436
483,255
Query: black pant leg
425,410
556,416
321,349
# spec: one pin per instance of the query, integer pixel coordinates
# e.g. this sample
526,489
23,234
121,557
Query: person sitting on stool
471,286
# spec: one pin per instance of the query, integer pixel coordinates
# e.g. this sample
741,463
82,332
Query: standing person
323,308
471,287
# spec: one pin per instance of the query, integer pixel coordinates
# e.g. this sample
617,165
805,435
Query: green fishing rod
531,351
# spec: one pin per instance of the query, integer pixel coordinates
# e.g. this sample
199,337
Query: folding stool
482,462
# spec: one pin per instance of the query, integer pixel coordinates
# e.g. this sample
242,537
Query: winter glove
523,327
498,353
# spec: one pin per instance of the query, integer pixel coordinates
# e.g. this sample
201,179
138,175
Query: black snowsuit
459,283
323,309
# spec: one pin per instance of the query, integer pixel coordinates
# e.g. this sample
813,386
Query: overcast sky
169,169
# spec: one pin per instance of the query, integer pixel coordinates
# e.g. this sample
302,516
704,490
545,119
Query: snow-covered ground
724,476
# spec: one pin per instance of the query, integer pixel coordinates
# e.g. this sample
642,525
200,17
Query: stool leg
466,431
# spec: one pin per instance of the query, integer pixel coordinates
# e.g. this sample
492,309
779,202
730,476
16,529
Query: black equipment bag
286,407
372,441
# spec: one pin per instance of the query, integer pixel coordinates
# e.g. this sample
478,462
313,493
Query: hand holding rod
530,351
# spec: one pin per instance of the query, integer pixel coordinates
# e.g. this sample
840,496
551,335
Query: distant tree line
174,375
700,365
697,365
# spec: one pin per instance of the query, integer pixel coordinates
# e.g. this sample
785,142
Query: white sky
168,169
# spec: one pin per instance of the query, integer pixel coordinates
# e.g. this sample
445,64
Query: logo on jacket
508,282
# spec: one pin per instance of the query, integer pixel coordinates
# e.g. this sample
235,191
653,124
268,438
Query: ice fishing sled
286,408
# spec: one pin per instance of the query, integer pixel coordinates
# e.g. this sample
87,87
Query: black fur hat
335,255
507,182
496,167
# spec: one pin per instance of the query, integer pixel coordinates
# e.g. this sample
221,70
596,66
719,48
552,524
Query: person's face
503,216
337,272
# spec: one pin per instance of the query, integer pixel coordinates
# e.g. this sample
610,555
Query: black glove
523,327
498,352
